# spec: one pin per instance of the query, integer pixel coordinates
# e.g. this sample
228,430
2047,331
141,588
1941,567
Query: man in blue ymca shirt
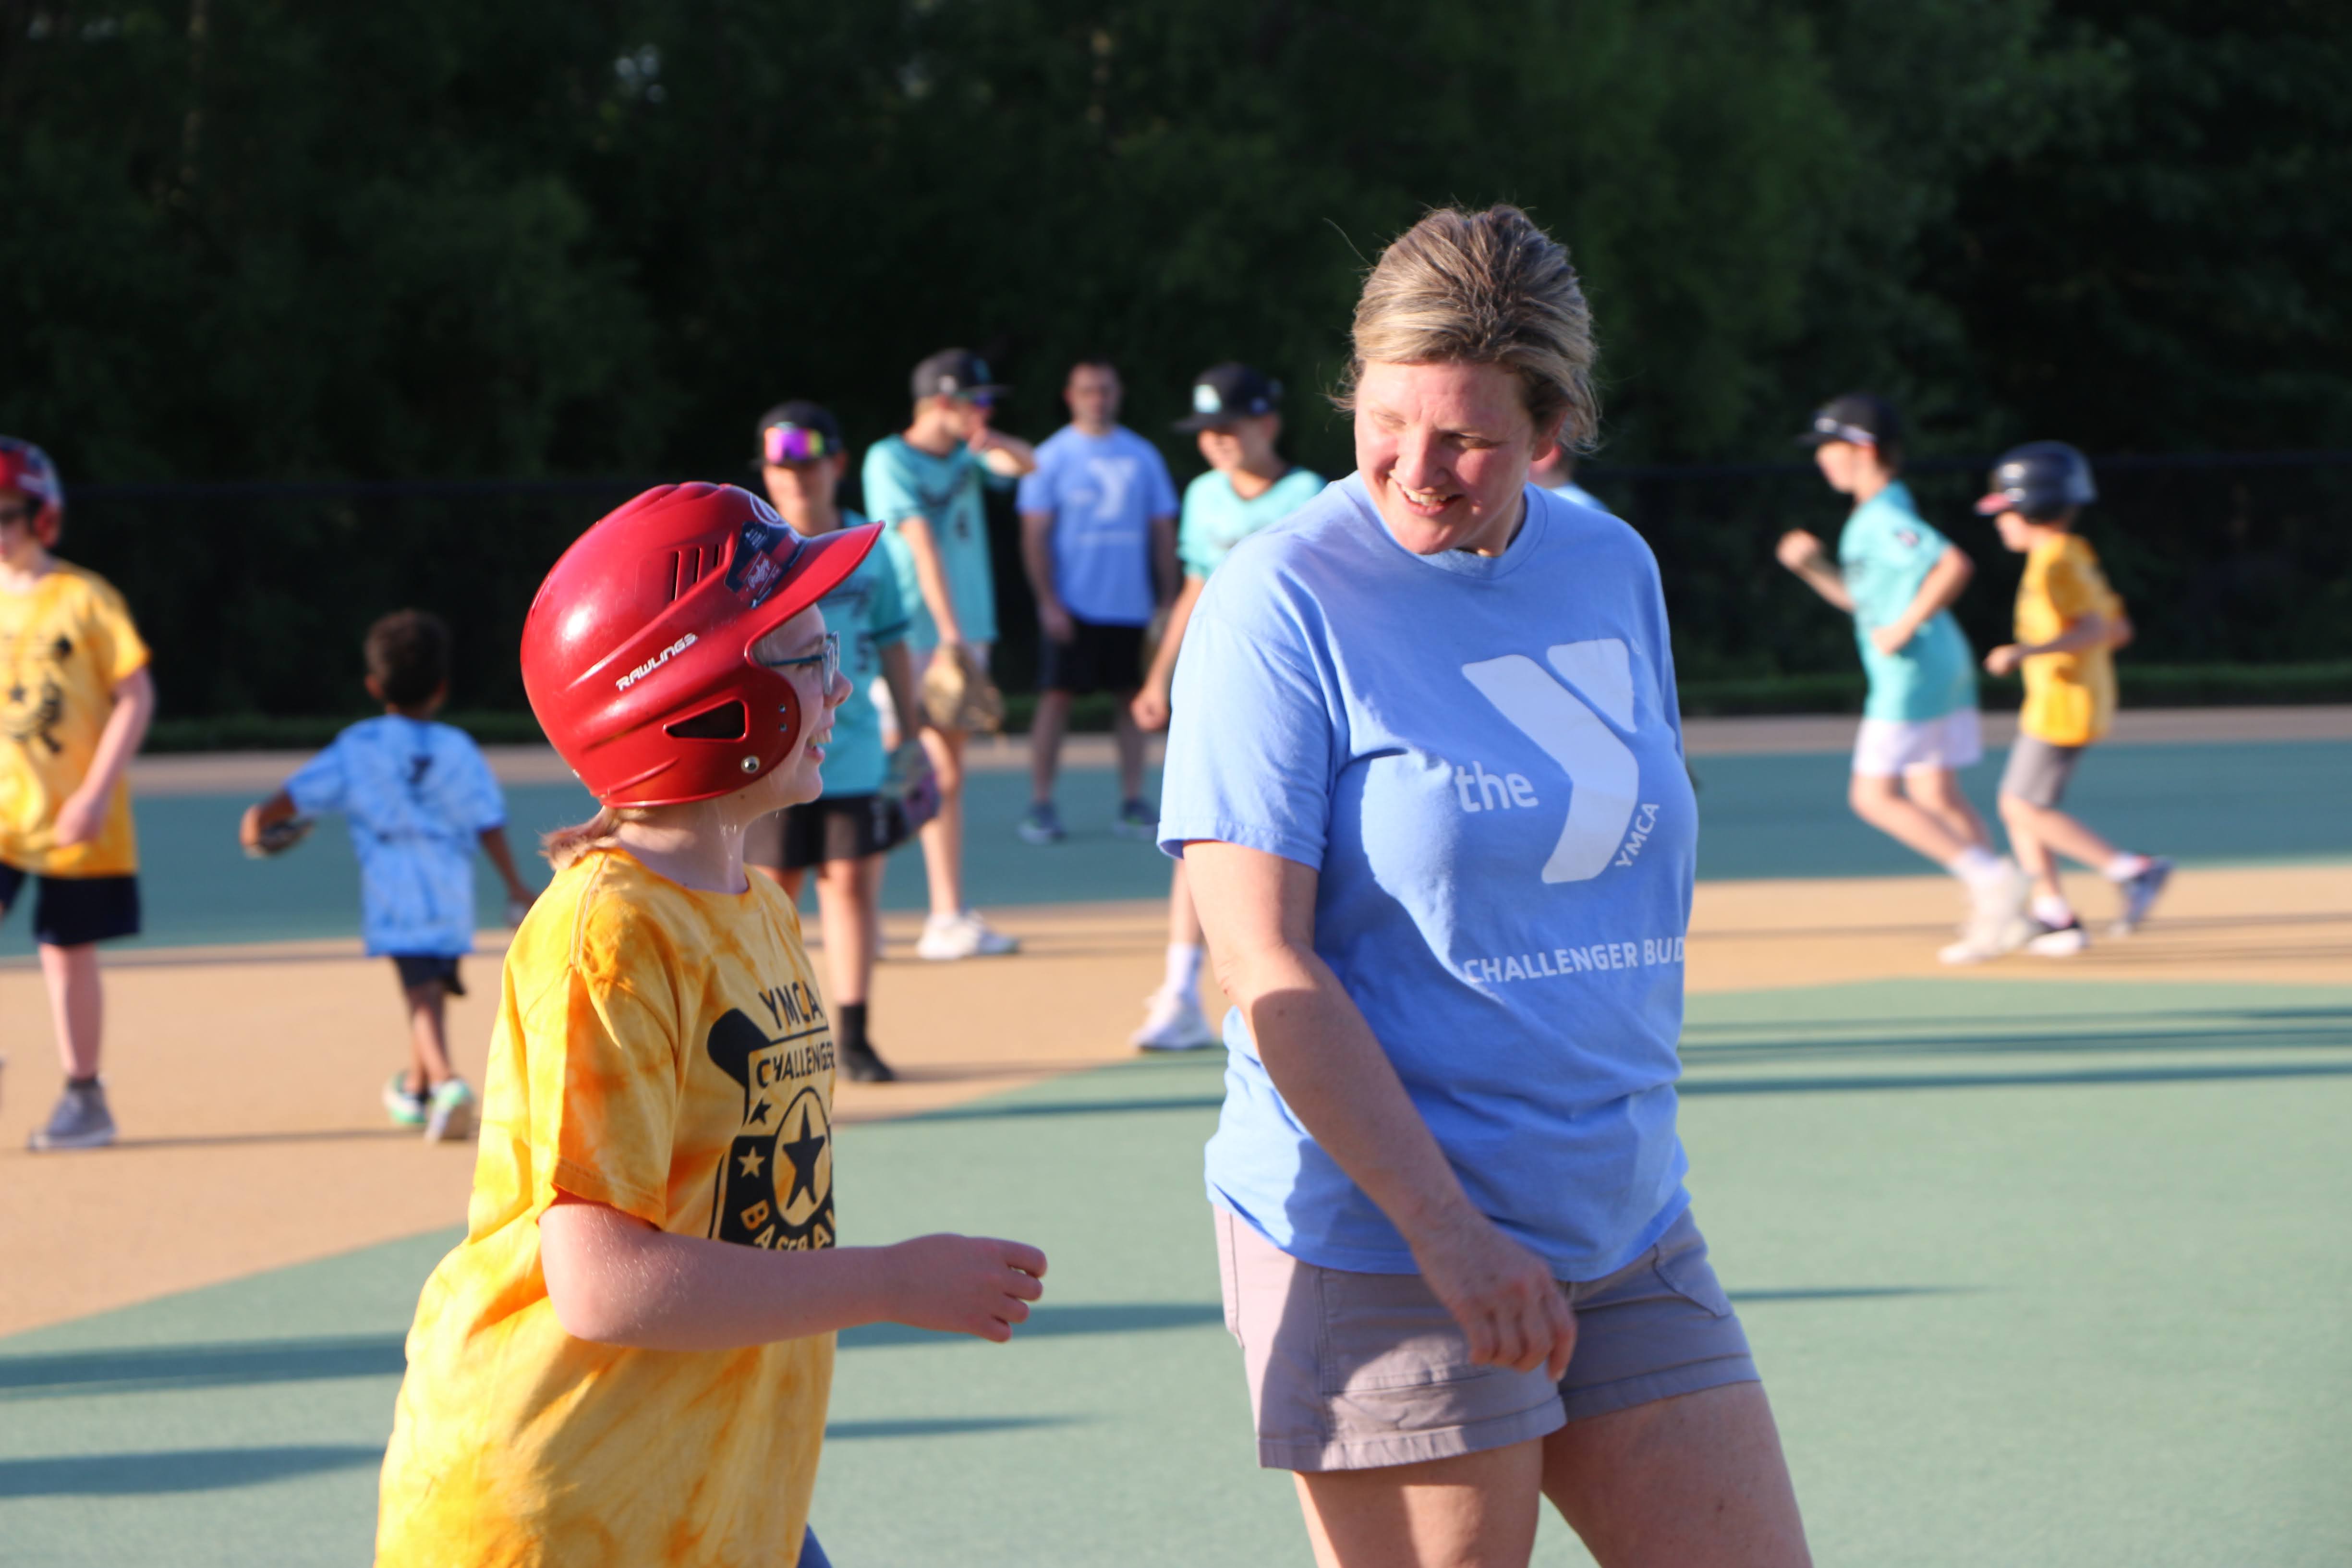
1099,536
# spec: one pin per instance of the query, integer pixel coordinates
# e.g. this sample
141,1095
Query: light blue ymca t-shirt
1884,554
869,614
1483,759
1103,492
901,481
1216,518
419,797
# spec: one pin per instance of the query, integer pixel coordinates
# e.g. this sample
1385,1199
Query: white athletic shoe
946,939
2057,942
1172,1021
450,1119
1997,923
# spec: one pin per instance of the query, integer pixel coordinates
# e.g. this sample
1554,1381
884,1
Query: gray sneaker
1042,826
79,1122
2140,894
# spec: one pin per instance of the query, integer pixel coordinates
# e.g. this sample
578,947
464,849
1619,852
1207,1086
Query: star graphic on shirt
802,1152
16,692
759,1112
750,1161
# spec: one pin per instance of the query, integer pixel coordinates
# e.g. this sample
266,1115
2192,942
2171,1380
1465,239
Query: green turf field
1760,817
2039,1272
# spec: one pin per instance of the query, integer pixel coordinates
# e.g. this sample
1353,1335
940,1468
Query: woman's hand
1151,708
963,1284
1511,1309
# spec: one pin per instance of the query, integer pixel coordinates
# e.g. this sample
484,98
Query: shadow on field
946,1426
151,1368
1103,1318
2312,1028
174,1470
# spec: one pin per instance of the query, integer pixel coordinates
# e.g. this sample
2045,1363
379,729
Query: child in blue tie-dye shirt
419,796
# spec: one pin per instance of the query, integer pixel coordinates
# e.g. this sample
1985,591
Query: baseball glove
279,837
957,695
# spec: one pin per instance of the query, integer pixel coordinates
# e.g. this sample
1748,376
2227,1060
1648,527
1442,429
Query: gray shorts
1351,1372
2039,771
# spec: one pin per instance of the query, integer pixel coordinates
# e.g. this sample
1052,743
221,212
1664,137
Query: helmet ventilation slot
728,721
687,566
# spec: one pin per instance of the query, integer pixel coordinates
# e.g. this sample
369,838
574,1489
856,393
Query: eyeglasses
795,444
828,657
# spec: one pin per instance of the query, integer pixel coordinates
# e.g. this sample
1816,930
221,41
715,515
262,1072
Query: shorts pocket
1387,1332
1686,1272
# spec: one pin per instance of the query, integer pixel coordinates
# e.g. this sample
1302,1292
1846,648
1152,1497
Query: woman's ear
374,689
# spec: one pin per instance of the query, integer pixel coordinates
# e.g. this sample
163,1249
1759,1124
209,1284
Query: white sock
2126,865
2052,910
1185,969
1975,865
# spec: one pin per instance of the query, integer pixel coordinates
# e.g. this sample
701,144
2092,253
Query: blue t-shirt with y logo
1103,492
419,796
1481,757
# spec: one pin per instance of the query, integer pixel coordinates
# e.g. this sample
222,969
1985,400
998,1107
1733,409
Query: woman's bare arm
1259,912
616,1280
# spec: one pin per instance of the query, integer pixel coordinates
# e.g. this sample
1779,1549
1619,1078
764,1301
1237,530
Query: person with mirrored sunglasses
846,834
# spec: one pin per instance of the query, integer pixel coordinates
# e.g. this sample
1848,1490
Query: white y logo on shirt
1603,778
1114,475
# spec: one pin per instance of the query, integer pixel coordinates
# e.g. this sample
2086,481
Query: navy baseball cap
955,372
1224,392
1862,417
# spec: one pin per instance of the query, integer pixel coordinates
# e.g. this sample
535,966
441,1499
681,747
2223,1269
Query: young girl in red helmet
627,1361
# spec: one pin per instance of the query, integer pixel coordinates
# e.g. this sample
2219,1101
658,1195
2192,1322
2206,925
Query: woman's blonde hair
1485,288
562,845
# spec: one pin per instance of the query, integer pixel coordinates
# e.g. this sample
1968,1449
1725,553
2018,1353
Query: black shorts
836,828
69,911
419,968
1097,657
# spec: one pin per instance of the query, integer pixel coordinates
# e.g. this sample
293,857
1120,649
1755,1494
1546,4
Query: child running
419,797
1898,578
2069,622
847,833
1236,419
75,705
627,1358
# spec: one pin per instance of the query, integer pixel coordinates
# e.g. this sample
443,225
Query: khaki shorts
1351,1372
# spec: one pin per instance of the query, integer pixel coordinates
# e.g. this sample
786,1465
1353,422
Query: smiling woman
1425,729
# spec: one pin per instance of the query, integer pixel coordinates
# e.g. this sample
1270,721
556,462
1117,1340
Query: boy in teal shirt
1898,578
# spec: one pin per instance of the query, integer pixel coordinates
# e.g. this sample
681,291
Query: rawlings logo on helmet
653,663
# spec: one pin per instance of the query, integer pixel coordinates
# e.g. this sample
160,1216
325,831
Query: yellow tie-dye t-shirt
2070,698
64,648
663,1051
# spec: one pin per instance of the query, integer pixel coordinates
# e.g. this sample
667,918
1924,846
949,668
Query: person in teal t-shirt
1248,486
847,833
926,484
1898,578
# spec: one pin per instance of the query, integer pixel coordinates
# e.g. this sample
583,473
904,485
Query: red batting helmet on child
637,651
26,468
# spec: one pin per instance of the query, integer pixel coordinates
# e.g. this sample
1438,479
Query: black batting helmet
2042,481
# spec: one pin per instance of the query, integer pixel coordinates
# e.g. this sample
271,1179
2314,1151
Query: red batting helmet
637,651
24,467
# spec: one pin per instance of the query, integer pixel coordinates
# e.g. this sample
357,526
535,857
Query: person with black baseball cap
926,484
1898,577
2069,622
1237,418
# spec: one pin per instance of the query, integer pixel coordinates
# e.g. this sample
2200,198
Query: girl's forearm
126,727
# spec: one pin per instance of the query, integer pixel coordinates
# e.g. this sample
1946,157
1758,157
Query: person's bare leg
1881,802
2052,834
845,902
1130,747
76,1005
1474,1511
943,835
1936,792
429,1035
1045,732
1183,919
1696,1481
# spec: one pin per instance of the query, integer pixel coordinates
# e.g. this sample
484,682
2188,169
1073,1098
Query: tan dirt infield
245,1078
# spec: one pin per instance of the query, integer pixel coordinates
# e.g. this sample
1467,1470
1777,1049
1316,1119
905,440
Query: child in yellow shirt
75,699
2069,622
627,1361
